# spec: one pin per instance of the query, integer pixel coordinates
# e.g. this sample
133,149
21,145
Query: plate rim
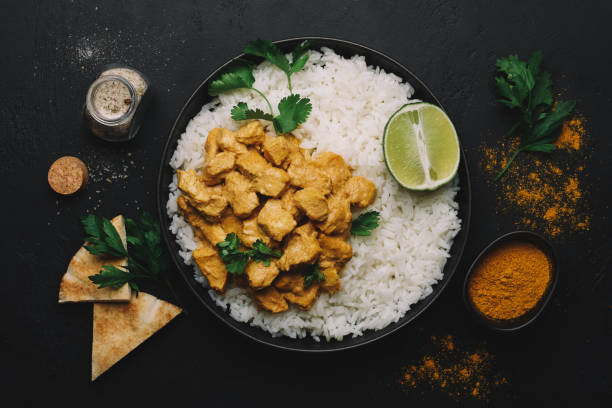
224,315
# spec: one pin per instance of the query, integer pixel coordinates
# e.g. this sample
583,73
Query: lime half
421,146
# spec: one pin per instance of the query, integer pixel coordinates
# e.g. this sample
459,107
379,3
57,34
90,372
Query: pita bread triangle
76,286
118,328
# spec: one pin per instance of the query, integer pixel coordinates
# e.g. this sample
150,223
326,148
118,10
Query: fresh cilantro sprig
237,75
525,88
101,237
115,277
236,259
146,255
229,250
312,274
292,109
365,223
262,253
269,51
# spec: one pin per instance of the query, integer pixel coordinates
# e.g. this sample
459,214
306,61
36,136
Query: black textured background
52,50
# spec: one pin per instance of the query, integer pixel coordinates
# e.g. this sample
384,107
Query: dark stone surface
53,50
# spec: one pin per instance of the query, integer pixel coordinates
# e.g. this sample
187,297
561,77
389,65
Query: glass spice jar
116,102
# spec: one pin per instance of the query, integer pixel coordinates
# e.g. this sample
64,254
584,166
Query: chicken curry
267,190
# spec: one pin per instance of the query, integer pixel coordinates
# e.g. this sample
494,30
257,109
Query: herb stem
512,129
289,83
266,99
509,162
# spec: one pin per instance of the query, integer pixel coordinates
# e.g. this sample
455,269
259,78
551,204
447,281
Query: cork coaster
67,175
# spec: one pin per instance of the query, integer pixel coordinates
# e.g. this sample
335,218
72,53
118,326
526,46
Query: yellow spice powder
453,371
547,191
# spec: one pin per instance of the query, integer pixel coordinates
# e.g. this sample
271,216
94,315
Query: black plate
194,105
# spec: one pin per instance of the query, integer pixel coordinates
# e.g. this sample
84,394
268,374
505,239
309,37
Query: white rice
404,257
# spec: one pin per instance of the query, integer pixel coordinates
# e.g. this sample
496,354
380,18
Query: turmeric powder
509,281
456,372
545,194
571,134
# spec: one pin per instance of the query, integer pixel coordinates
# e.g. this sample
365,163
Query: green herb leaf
365,223
236,260
102,237
269,51
300,56
545,126
510,97
526,88
542,91
237,75
237,263
534,63
544,148
262,253
312,274
293,111
518,76
147,255
229,251
111,276
242,112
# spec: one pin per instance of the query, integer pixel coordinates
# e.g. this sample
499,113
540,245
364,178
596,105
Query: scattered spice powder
545,191
571,135
453,371
509,280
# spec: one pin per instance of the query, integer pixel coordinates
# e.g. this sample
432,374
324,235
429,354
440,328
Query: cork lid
67,175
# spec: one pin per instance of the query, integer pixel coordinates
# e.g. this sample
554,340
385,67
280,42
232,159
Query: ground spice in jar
509,280
116,102
112,99
544,192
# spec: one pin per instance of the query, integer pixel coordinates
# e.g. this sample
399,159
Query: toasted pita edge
118,328
75,285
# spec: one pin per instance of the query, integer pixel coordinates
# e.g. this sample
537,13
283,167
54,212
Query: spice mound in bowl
511,280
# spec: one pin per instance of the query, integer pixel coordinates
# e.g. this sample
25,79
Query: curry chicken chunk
264,187
302,248
312,202
211,265
240,194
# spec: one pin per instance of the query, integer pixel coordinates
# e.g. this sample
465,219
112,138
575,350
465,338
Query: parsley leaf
147,257
242,112
293,111
262,253
111,276
269,51
525,88
147,253
236,260
311,274
102,237
549,122
237,75
229,250
300,56
365,223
